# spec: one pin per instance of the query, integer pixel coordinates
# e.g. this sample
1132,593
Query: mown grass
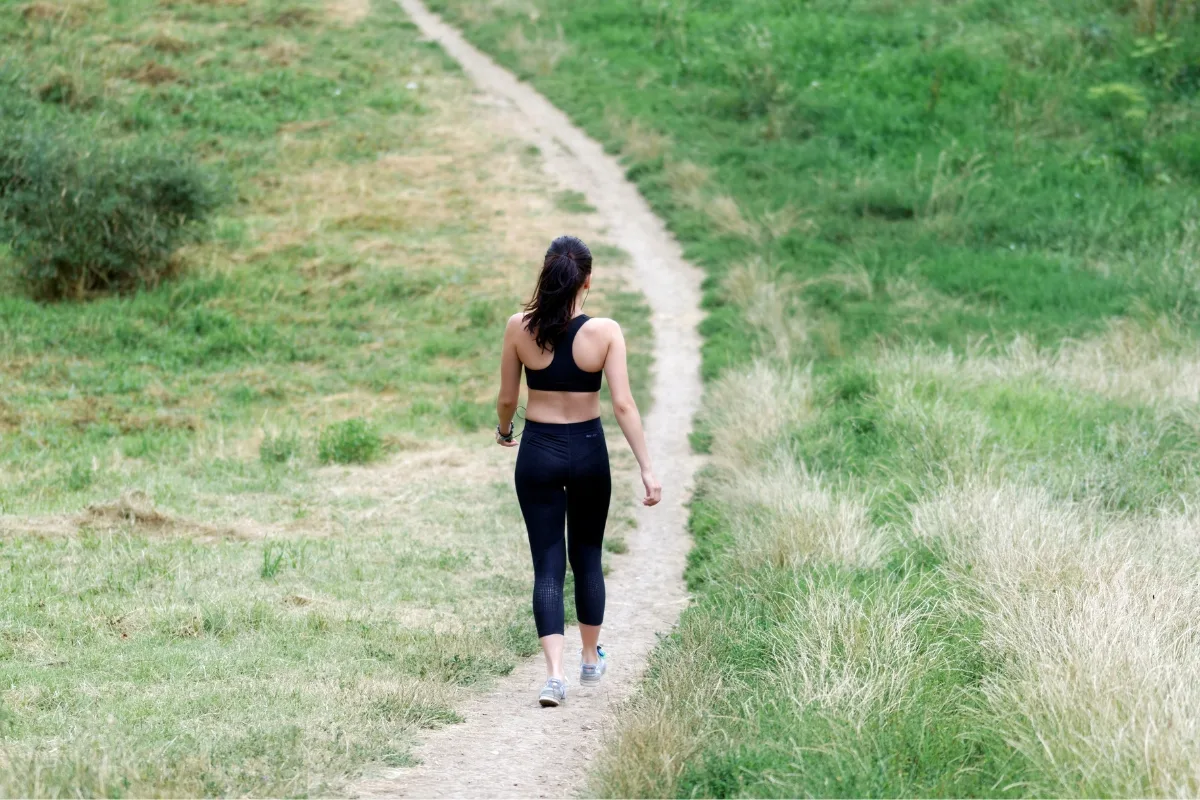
952,256
253,530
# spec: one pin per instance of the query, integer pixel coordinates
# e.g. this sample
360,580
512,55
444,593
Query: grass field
945,546
254,531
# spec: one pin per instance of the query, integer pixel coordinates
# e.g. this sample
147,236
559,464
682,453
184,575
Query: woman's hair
567,265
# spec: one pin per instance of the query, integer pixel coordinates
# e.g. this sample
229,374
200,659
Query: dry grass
783,221
771,307
133,512
69,13
283,52
727,217
168,43
538,56
1097,615
848,656
780,515
659,733
153,73
348,12
1151,364
951,187
761,403
686,177
643,144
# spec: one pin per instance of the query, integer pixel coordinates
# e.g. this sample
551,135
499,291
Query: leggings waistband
564,428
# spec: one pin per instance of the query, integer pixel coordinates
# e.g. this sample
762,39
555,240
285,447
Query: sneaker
590,674
553,693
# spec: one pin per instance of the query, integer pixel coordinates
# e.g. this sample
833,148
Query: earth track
508,746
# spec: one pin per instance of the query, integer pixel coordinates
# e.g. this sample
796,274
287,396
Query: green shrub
83,220
354,441
279,448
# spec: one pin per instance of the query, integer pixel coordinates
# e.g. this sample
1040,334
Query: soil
508,746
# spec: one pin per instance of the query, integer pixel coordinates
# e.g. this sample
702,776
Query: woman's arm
510,378
617,371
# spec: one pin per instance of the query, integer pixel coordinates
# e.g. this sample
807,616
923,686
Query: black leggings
563,481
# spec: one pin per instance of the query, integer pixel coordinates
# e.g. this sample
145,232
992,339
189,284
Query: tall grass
1096,617
951,348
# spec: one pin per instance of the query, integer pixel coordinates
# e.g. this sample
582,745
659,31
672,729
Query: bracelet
506,437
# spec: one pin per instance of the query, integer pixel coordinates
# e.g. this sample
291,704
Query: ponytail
567,265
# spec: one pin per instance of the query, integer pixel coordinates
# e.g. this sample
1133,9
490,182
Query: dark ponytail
567,265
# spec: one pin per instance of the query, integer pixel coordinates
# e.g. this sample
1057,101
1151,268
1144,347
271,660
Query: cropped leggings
563,485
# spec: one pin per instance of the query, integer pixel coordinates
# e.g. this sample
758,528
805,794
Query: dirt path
509,746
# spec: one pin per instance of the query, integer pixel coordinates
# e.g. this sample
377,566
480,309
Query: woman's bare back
589,350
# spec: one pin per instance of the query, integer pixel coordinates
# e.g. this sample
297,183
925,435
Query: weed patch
354,441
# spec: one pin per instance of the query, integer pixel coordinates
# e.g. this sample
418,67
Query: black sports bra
563,374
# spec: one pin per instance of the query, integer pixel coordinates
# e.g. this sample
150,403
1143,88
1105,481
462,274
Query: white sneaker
553,693
590,674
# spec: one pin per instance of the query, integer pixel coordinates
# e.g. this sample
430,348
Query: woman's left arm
510,379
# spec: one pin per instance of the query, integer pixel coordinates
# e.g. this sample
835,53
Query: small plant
80,477
955,180
760,86
353,441
65,89
573,202
1119,101
279,448
272,560
616,544
83,220
279,555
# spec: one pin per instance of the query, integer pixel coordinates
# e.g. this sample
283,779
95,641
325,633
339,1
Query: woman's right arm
510,380
617,371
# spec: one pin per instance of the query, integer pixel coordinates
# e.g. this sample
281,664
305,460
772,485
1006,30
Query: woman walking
562,475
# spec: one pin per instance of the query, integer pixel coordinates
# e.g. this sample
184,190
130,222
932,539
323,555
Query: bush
103,218
354,441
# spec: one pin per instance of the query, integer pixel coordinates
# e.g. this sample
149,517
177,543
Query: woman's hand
506,441
653,489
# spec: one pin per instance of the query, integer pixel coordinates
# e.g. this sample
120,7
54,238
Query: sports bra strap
563,374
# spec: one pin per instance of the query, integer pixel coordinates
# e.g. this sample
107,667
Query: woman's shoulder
516,322
602,324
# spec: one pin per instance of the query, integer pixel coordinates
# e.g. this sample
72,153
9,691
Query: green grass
954,147
917,744
149,375
253,533
350,442
871,185
134,664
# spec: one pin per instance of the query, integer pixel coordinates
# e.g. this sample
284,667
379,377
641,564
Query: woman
562,471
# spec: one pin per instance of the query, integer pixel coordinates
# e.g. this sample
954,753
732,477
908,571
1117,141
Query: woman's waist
583,427
562,408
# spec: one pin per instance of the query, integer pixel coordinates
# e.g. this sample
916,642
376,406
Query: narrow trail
508,746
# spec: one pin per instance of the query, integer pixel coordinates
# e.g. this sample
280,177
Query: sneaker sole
590,681
548,702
